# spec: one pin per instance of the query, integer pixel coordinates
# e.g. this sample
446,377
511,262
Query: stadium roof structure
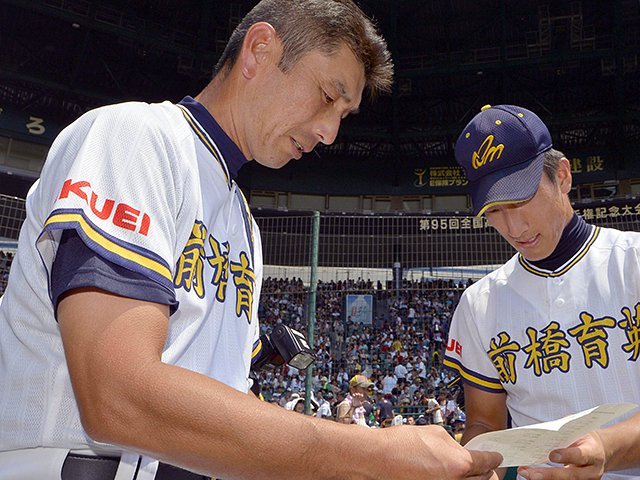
575,63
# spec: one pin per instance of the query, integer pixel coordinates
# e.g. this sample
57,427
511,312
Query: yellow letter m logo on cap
486,153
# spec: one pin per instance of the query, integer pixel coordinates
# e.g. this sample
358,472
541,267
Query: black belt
86,467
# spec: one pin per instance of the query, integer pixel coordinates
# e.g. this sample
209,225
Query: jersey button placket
555,284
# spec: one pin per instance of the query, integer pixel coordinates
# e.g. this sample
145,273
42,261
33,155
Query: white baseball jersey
147,188
556,342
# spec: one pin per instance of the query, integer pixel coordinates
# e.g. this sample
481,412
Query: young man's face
534,227
292,112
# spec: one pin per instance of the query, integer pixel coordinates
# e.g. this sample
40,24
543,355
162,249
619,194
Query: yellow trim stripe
472,378
109,245
583,252
501,202
196,128
256,349
249,217
454,381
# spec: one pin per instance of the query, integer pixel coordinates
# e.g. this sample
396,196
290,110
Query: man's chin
532,257
274,164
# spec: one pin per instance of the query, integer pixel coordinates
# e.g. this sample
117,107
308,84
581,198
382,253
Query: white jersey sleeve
465,352
118,184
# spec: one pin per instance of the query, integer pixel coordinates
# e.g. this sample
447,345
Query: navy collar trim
576,229
231,155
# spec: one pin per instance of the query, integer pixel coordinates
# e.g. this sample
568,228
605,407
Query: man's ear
564,175
259,47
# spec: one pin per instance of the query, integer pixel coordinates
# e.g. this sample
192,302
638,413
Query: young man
551,332
130,319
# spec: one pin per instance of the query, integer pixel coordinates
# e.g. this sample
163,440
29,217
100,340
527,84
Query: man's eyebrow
343,93
342,90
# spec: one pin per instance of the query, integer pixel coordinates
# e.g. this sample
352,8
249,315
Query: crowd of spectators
5,264
400,351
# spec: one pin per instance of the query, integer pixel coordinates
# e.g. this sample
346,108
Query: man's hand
584,459
358,399
437,456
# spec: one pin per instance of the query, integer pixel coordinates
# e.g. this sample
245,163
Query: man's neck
219,98
575,233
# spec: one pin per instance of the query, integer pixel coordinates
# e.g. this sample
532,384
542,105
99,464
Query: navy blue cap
502,153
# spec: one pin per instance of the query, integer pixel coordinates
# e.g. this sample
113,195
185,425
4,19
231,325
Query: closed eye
327,97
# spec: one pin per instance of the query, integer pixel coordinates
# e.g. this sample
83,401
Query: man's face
534,227
292,112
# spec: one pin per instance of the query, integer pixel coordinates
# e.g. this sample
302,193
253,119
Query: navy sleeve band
77,266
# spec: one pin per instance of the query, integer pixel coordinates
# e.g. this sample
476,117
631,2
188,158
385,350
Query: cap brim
510,185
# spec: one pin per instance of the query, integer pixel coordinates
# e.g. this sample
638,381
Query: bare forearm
621,444
473,430
128,397
209,427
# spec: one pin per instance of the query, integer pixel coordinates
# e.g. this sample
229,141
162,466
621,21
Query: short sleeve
112,176
77,266
465,352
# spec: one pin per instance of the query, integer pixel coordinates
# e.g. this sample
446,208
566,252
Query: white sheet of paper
531,445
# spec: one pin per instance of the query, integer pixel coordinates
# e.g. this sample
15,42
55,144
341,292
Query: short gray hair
325,25
552,159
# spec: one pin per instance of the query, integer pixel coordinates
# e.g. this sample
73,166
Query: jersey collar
232,155
566,255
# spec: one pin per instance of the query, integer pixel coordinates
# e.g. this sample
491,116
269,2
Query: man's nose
327,127
516,223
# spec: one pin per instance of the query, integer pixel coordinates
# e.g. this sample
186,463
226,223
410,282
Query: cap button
486,107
